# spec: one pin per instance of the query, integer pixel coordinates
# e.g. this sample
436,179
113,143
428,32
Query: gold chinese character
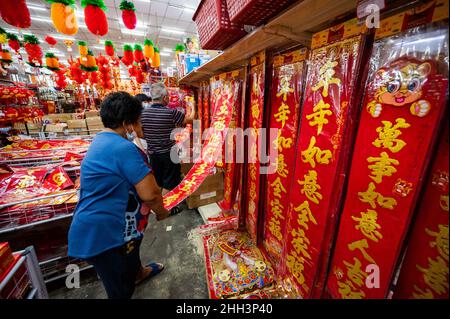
441,240
368,225
282,142
278,187
318,117
436,275
188,185
223,110
348,291
314,152
281,166
277,208
310,187
326,73
305,215
422,294
171,198
255,110
274,228
382,166
219,125
355,273
362,245
282,115
444,202
294,263
370,196
285,87
389,133
300,242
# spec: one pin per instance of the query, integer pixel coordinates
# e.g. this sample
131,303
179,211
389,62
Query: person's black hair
118,108
142,97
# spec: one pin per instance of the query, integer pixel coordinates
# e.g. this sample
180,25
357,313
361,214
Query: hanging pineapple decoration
82,48
109,48
90,64
156,61
3,38
128,14
138,54
179,48
6,56
13,42
34,50
95,17
15,13
149,50
51,62
63,16
128,56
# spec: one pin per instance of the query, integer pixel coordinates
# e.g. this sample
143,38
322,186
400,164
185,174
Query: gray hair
159,91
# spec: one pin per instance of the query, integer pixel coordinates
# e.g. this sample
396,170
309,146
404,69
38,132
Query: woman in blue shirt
108,225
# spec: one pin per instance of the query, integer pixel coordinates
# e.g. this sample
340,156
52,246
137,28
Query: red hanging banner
424,272
402,108
327,126
257,77
287,86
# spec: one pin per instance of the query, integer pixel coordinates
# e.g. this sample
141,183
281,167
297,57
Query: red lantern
95,17
128,14
15,13
51,40
93,77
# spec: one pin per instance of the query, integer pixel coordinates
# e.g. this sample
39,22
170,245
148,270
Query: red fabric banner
328,115
286,91
424,272
403,105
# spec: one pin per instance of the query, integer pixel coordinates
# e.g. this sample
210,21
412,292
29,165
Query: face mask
131,136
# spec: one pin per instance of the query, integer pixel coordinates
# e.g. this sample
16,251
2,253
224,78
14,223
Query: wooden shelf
294,26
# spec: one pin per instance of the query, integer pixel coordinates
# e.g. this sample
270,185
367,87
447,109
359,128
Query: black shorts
167,173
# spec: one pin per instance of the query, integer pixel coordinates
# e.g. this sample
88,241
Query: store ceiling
166,22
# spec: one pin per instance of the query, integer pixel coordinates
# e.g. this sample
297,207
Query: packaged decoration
95,17
15,13
63,16
128,14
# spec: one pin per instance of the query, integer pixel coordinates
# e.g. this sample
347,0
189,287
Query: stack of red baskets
215,29
255,12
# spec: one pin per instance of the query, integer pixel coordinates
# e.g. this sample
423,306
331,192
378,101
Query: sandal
156,269
174,211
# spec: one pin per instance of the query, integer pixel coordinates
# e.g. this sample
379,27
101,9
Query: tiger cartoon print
400,85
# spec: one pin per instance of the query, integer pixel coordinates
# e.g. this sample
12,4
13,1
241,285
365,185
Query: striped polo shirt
158,121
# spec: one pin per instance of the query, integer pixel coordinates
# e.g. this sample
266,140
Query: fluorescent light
98,47
41,19
59,54
188,9
167,49
164,54
133,32
12,31
172,30
62,37
37,8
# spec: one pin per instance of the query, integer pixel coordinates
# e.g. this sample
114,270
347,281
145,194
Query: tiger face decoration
401,85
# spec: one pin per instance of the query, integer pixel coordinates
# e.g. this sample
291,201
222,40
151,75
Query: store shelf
294,26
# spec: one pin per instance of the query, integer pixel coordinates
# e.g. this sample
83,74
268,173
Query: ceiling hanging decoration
109,48
63,16
6,56
13,42
51,40
156,61
95,17
15,13
61,82
82,48
149,49
138,54
75,72
51,62
88,62
3,37
68,44
179,48
104,72
34,50
128,14
128,56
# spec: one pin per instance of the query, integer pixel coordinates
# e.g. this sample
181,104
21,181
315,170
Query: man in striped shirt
158,121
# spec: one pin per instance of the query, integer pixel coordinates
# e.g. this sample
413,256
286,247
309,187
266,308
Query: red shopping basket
255,12
215,30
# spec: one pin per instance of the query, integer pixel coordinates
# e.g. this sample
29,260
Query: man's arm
149,192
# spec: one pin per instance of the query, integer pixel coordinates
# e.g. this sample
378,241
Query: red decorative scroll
328,115
424,272
200,108
403,105
224,101
257,77
287,86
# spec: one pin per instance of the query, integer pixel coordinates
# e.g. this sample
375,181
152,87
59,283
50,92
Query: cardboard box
89,114
185,167
6,257
210,191
56,127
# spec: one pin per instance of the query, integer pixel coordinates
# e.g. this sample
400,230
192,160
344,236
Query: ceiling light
36,8
41,19
133,32
62,37
164,54
167,49
98,47
12,31
172,30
